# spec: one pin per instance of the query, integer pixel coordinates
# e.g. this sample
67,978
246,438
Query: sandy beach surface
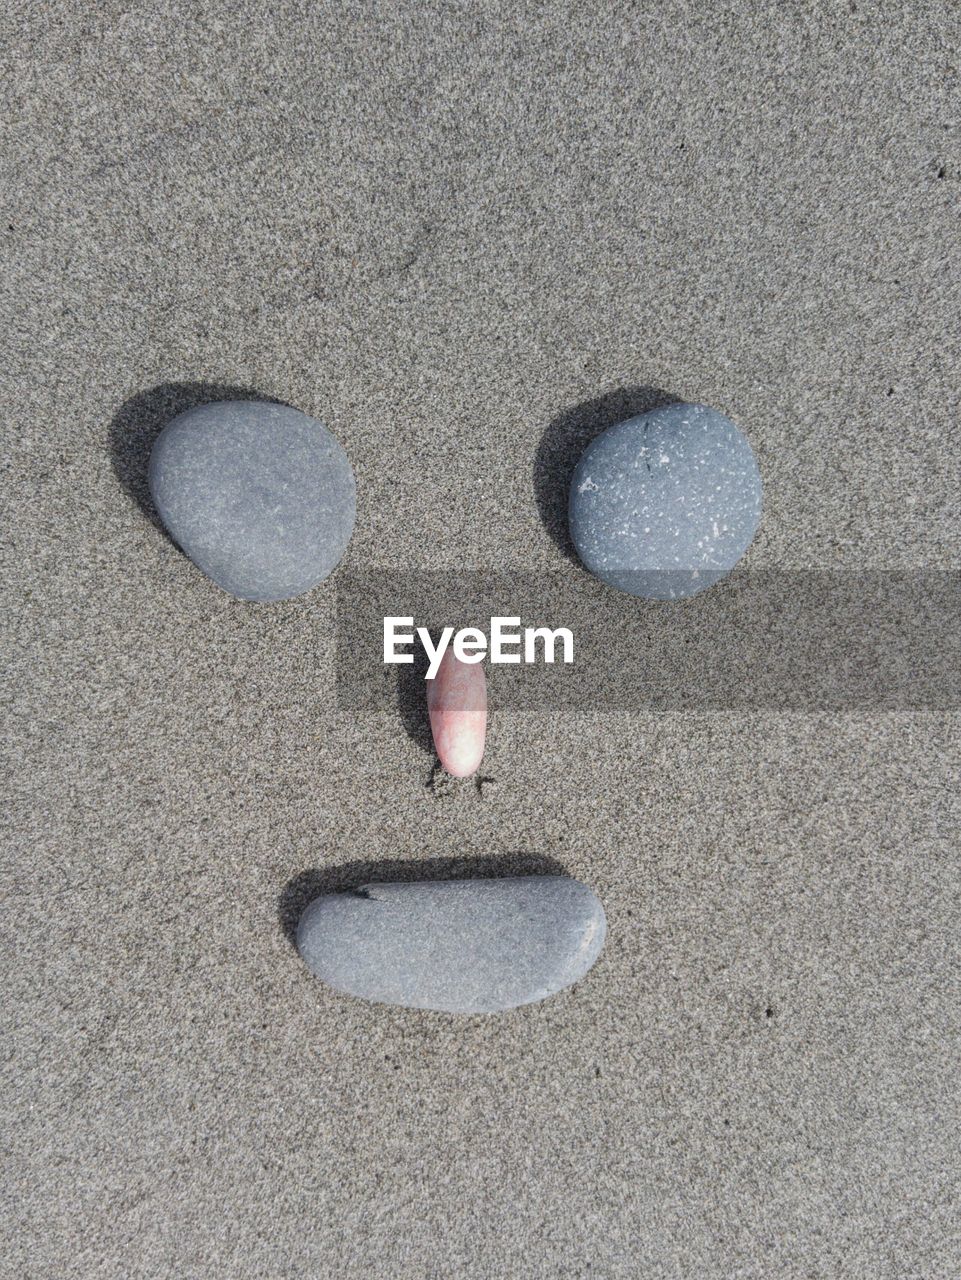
467,237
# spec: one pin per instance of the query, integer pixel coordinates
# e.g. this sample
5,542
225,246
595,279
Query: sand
465,237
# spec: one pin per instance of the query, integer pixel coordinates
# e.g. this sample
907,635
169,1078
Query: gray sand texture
467,238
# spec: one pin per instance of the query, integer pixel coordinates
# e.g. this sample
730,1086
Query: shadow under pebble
139,421
299,892
412,699
565,440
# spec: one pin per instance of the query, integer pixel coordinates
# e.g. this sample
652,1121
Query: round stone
665,504
259,496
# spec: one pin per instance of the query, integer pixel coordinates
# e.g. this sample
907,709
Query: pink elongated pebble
457,706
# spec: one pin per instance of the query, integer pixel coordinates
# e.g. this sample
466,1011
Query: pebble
667,503
260,496
461,946
457,706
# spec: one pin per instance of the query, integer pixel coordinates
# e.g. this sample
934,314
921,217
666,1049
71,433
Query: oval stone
665,504
259,496
457,706
461,946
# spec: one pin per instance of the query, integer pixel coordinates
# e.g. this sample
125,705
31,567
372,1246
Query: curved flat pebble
665,504
260,496
457,706
461,946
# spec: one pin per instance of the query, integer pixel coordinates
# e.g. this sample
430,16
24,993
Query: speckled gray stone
462,946
260,496
665,504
